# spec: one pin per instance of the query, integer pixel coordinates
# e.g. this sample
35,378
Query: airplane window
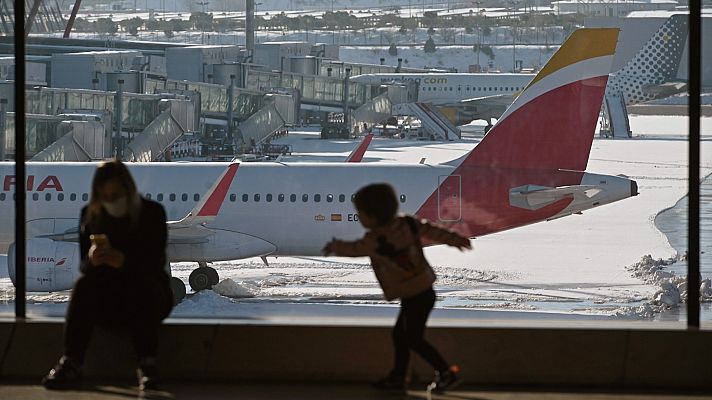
60,196
85,197
353,196
172,197
245,197
402,198
292,198
257,197
305,198
35,196
14,197
468,88
268,197
451,88
2,196
280,197
184,197
148,195
329,198
342,198
159,197
233,197
196,197
48,196
317,198
73,197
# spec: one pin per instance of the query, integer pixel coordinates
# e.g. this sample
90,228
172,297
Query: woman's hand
106,256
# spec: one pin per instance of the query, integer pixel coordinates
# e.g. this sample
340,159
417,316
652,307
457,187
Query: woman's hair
106,172
378,200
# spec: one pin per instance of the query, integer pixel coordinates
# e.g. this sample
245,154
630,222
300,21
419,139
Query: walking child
393,244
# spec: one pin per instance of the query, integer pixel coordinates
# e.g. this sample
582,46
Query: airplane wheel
178,290
203,278
213,275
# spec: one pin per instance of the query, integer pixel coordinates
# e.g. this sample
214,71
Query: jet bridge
174,121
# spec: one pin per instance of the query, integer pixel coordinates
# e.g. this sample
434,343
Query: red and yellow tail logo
552,122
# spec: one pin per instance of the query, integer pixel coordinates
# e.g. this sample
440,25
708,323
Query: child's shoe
391,382
446,380
66,375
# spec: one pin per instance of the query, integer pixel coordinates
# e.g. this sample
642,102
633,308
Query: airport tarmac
330,391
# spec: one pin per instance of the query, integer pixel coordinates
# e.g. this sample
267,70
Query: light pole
514,34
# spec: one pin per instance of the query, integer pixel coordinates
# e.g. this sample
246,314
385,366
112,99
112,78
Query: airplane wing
534,197
357,154
496,100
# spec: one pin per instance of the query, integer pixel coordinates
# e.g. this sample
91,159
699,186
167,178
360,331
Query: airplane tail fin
209,205
551,124
357,154
656,62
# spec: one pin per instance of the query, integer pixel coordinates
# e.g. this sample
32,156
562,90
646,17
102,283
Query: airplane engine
51,265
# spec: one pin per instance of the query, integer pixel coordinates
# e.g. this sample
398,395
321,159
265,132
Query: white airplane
650,74
529,168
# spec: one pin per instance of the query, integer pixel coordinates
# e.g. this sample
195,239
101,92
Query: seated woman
124,283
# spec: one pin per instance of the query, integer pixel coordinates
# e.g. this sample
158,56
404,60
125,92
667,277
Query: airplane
650,74
529,168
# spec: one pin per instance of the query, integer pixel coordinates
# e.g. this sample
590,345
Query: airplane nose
633,188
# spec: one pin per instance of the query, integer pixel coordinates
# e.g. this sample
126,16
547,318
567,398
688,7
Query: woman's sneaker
446,380
390,382
66,375
147,375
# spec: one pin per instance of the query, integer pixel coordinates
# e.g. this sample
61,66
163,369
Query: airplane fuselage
289,209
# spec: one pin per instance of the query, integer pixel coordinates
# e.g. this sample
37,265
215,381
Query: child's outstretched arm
442,235
357,248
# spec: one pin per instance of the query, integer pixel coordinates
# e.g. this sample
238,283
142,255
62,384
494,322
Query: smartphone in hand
99,240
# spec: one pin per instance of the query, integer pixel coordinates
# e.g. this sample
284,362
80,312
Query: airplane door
449,193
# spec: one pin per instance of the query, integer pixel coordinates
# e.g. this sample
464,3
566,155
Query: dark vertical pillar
20,180
693,234
3,136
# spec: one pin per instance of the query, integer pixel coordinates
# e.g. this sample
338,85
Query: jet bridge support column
346,96
230,106
118,151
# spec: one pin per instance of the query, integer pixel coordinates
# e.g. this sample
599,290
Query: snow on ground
574,267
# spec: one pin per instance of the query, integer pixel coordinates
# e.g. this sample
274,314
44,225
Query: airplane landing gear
203,277
178,289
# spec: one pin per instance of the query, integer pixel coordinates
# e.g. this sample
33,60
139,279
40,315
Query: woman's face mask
117,208
114,199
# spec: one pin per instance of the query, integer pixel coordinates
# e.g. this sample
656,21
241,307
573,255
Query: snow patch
242,289
672,289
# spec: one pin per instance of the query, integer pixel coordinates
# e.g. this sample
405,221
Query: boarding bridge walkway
617,113
174,121
373,112
261,125
435,123
84,141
